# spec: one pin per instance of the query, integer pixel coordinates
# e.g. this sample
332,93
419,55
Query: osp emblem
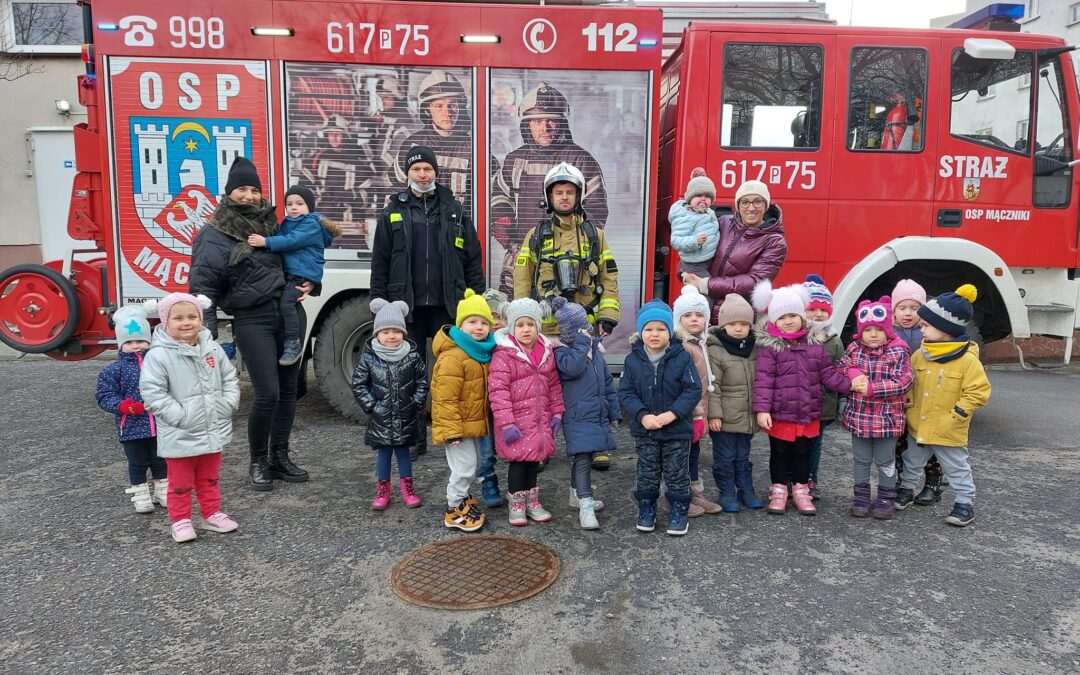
971,189
178,165
539,36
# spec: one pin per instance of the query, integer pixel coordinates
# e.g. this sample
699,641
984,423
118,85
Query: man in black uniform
426,253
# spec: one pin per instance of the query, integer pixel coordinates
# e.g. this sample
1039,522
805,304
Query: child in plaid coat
875,410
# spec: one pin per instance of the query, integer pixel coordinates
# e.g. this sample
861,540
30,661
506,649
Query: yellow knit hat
473,305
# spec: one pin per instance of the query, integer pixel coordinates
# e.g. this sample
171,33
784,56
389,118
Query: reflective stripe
608,304
606,255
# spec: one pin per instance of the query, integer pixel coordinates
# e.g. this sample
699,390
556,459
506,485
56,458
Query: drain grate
473,572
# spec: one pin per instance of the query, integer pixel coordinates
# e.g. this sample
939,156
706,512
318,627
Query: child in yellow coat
950,385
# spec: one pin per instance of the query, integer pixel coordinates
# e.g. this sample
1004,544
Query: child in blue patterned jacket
118,393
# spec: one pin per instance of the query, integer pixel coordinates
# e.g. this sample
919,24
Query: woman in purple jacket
792,366
752,247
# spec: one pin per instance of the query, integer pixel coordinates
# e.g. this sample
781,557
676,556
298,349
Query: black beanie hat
421,153
304,193
242,172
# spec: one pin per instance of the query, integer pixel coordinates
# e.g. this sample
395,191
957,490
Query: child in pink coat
526,401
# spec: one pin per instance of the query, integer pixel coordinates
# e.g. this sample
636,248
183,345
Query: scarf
477,350
390,355
655,358
535,353
741,348
943,352
240,220
776,332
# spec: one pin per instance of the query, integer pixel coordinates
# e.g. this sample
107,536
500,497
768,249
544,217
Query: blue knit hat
951,312
656,310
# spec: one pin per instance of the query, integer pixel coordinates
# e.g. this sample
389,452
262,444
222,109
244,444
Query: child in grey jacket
695,232
190,386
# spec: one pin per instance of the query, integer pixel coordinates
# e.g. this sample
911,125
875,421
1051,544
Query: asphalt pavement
90,586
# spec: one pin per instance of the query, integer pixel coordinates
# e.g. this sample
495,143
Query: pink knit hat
165,305
906,289
877,314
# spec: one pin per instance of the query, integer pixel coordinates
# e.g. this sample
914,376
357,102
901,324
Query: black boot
259,474
931,492
283,468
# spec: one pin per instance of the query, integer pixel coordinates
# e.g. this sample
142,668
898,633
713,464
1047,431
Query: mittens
556,423
132,407
511,434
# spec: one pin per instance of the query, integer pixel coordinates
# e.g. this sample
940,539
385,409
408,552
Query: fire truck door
985,188
883,148
775,99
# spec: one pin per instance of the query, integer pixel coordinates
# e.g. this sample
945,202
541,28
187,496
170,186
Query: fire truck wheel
338,345
39,309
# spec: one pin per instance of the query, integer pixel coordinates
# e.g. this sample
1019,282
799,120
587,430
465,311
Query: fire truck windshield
991,100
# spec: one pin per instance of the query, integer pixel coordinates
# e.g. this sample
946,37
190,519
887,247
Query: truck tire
338,345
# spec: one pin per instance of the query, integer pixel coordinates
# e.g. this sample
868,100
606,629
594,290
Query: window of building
1022,129
1032,11
886,94
987,102
1074,14
1024,81
772,96
33,26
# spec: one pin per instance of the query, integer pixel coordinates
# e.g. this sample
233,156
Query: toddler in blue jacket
301,239
659,389
118,393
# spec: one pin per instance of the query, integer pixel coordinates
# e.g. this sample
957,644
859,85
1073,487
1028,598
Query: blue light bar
647,42
998,11
108,26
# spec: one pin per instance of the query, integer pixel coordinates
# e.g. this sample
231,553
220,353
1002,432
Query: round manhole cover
500,570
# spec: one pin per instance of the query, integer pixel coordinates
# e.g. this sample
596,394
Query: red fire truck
941,155
332,94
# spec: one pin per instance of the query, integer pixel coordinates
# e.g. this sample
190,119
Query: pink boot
408,494
800,494
777,498
382,496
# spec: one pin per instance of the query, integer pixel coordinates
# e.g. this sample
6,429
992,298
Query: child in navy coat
659,390
300,240
592,406
118,393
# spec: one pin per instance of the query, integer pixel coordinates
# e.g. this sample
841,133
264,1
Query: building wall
30,101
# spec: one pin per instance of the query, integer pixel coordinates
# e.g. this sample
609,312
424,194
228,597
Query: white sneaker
160,492
587,515
140,496
575,503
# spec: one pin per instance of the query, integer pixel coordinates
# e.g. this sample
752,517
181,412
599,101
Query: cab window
1053,138
886,95
991,101
771,96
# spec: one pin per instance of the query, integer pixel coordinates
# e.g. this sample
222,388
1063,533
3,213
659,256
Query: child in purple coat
526,401
875,410
118,393
792,364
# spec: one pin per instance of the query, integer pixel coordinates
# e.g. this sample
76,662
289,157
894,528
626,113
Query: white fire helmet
438,84
546,102
564,172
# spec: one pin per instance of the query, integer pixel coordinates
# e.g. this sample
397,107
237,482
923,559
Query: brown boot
698,498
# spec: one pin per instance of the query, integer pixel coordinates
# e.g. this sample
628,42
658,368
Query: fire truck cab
939,155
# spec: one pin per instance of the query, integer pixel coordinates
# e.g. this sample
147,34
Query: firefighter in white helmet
518,199
444,110
566,255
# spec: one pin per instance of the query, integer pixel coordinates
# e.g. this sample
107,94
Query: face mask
416,187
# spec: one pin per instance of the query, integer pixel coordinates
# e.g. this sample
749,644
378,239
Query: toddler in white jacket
190,386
